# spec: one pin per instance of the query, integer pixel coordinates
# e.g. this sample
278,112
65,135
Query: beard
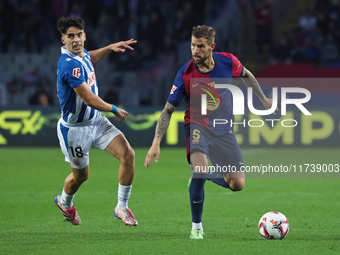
199,61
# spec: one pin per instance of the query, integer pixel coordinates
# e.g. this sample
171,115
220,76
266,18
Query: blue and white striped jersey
72,72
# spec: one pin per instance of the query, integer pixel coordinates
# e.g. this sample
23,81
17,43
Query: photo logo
238,100
214,100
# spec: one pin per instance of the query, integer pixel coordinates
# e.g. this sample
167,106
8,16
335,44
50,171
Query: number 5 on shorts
196,136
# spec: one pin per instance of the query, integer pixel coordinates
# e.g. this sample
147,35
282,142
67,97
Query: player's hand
121,114
153,152
267,104
121,46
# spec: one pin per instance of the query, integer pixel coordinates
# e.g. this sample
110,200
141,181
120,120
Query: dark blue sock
196,191
220,181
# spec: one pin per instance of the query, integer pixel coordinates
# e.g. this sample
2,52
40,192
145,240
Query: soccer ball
273,225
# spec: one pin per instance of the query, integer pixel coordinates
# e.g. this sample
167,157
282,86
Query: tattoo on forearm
251,81
164,120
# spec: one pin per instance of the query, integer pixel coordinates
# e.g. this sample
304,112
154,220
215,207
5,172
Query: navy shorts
223,151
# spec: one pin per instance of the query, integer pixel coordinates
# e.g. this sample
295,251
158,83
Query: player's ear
62,39
84,37
213,45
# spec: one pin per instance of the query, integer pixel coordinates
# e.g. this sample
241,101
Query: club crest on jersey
76,72
92,79
173,89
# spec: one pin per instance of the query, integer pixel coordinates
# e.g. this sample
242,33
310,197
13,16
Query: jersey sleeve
237,67
177,91
73,73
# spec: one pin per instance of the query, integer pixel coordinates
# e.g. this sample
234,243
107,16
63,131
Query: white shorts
76,141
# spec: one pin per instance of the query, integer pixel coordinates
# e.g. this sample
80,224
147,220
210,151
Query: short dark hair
204,31
65,23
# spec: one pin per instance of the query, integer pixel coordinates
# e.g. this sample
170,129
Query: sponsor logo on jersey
76,72
173,89
92,79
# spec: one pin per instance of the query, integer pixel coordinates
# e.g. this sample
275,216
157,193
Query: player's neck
207,66
80,54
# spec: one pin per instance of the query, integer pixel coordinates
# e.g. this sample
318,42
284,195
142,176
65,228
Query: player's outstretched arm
97,103
101,53
250,81
161,128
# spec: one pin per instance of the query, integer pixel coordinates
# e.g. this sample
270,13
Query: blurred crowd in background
143,77
316,38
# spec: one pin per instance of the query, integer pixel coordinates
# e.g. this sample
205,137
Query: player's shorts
76,141
223,151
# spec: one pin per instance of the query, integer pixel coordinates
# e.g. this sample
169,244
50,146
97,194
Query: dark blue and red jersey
190,84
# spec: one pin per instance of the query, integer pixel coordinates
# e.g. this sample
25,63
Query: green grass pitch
32,224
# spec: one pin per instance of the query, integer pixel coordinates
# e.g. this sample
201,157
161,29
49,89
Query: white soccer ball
273,225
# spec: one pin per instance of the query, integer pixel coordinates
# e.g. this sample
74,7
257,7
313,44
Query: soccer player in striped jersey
204,140
82,124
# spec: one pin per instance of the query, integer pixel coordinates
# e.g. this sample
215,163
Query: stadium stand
163,42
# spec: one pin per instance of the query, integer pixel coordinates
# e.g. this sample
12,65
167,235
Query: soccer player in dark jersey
204,141
82,125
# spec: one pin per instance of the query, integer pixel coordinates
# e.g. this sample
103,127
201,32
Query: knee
81,178
84,178
236,184
128,156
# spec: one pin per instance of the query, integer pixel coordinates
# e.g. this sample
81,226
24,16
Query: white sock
123,196
197,226
67,200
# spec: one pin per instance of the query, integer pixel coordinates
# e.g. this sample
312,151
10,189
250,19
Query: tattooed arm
163,122
161,127
250,81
